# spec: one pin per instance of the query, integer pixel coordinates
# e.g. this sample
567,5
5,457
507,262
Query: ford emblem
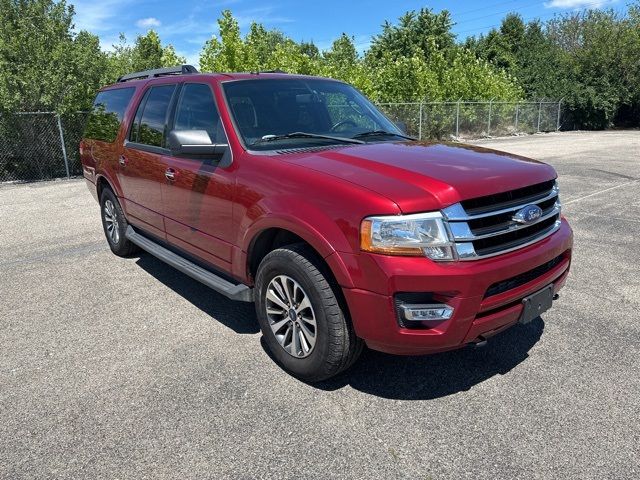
527,214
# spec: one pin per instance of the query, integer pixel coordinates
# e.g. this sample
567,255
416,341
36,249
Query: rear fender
112,181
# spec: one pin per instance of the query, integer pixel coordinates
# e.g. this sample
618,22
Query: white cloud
578,3
148,22
95,16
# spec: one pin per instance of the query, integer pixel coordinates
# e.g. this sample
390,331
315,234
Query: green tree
601,51
85,73
309,49
44,65
120,59
147,52
170,58
420,33
226,54
260,49
589,59
342,60
288,57
260,45
502,46
418,59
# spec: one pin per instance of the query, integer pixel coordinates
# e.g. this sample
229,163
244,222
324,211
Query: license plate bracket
536,304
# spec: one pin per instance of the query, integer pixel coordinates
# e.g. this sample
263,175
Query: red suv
297,194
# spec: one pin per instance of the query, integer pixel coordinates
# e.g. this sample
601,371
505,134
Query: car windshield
294,113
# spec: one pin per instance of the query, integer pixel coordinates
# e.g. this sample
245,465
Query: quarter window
107,114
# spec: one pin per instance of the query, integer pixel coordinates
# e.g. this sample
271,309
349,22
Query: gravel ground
125,368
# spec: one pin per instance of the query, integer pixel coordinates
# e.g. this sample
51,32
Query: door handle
123,160
170,173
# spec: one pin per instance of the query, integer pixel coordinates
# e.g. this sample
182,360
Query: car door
198,197
141,165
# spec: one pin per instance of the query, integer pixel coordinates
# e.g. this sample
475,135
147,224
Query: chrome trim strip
454,212
553,230
466,251
512,228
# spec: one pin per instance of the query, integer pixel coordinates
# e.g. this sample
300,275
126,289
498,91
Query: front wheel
304,326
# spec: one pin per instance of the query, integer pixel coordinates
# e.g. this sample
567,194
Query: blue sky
189,23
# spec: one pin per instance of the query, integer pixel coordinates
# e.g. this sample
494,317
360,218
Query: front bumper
461,285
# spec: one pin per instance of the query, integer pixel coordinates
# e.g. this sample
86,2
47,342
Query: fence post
558,121
458,118
517,114
539,114
420,122
489,123
64,149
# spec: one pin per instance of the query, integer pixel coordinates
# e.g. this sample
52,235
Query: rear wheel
115,224
303,323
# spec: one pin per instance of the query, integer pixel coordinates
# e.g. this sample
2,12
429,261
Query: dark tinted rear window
107,114
149,126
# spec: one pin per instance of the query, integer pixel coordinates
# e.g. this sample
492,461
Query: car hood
426,176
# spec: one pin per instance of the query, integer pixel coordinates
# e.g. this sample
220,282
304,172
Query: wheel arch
103,182
269,238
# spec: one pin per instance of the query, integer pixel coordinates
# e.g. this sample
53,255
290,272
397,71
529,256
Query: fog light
430,312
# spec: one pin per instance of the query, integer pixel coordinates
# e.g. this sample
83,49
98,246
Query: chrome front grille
485,226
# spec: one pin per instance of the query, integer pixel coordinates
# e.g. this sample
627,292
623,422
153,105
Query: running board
239,292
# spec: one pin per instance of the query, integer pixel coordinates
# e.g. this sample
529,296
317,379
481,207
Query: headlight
410,235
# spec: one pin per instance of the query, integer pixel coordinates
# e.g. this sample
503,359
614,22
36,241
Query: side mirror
194,142
402,126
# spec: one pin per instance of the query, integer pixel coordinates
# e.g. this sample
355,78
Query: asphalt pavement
125,368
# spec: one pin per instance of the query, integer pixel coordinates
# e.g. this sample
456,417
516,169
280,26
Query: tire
295,268
115,225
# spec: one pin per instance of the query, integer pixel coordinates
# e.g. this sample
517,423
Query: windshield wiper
271,138
382,133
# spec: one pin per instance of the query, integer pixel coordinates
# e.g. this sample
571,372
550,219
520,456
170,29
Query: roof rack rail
158,72
277,70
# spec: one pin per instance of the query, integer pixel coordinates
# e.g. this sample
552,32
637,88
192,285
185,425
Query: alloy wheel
111,222
291,316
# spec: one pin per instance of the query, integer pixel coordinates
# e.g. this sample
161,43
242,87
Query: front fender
305,220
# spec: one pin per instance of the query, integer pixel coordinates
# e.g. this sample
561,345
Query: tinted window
154,114
135,128
107,114
266,108
197,111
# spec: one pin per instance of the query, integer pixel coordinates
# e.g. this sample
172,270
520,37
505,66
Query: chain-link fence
466,120
40,145
44,145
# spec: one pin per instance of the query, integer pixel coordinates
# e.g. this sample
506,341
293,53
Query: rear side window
107,114
197,110
151,118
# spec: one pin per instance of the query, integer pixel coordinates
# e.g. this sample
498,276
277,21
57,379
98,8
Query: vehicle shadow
238,316
388,376
434,376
